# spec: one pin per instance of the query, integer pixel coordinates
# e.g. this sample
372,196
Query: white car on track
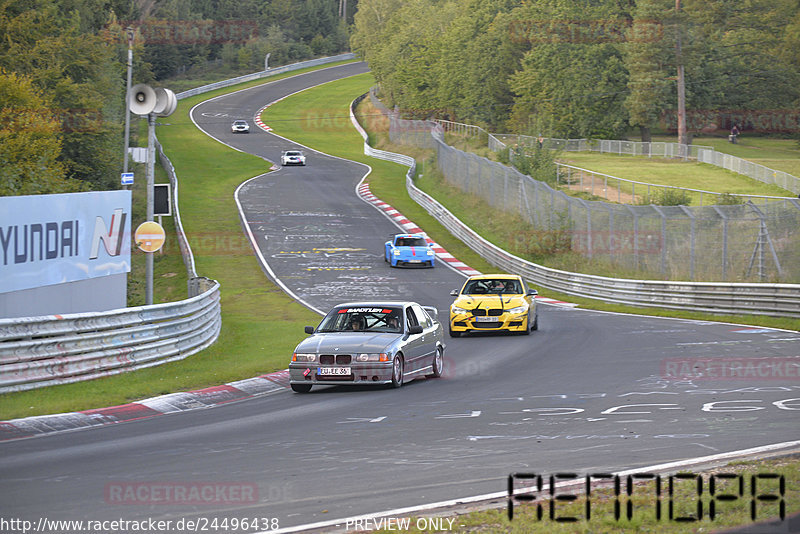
240,126
293,157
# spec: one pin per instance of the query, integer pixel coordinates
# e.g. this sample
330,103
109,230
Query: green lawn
779,154
671,172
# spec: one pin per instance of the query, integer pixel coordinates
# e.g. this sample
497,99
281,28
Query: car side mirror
454,293
309,329
416,329
532,292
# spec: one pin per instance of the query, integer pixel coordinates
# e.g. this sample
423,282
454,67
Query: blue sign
126,178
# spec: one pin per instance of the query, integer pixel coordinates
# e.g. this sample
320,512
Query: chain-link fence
742,242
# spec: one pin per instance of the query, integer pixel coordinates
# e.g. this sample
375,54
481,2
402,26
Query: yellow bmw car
491,303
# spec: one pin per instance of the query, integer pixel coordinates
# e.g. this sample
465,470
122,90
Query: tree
572,81
30,143
648,56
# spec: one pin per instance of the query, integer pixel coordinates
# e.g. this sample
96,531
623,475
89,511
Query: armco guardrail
53,349
264,74
781,300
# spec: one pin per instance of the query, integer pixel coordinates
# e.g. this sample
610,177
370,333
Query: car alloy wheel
397,371
438,364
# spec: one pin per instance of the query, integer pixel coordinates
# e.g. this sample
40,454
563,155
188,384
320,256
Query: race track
584,393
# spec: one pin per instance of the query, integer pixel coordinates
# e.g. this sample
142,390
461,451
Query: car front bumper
427,261
509,322
360,374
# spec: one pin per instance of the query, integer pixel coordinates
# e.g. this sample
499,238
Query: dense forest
584,68
63,68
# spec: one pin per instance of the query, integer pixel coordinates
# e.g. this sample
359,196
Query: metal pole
151,165
128,101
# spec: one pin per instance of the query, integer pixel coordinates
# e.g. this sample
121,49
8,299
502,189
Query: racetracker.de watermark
594,31
193,32
771,368
180,493
755,120
46,120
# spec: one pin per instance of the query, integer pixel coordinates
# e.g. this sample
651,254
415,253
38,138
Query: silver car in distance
360,343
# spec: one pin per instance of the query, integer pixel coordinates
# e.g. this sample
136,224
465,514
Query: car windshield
411,242
293,154
240,123
492,287
363,319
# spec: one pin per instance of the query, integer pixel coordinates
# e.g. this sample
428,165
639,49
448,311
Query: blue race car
409,250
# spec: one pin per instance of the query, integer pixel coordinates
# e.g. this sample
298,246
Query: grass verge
683,501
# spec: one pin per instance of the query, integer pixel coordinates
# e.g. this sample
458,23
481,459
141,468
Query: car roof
375,304
495,277
240,120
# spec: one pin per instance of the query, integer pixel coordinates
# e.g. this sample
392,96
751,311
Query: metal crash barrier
59,349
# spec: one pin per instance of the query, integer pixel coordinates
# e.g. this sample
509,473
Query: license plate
415,261
486,319
333,371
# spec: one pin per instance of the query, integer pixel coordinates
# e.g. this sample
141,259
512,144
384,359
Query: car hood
345,342
471,302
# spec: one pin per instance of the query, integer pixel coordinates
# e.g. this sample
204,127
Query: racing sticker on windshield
365,310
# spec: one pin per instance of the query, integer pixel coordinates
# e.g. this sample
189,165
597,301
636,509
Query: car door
428,335
414,350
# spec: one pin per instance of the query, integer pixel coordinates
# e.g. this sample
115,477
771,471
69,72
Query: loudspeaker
166,102
142,99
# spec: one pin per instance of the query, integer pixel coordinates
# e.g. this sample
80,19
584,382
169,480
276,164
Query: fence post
691,216
724,242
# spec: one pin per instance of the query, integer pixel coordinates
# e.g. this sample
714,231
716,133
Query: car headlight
458,311
396,252
518,309
430,252
303,357
381,357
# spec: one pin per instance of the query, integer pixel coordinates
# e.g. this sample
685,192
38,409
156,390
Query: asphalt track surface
585,393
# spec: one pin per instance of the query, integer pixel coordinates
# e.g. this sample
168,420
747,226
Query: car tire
301,388
438,364
454,333
526,331
535,323
397,371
